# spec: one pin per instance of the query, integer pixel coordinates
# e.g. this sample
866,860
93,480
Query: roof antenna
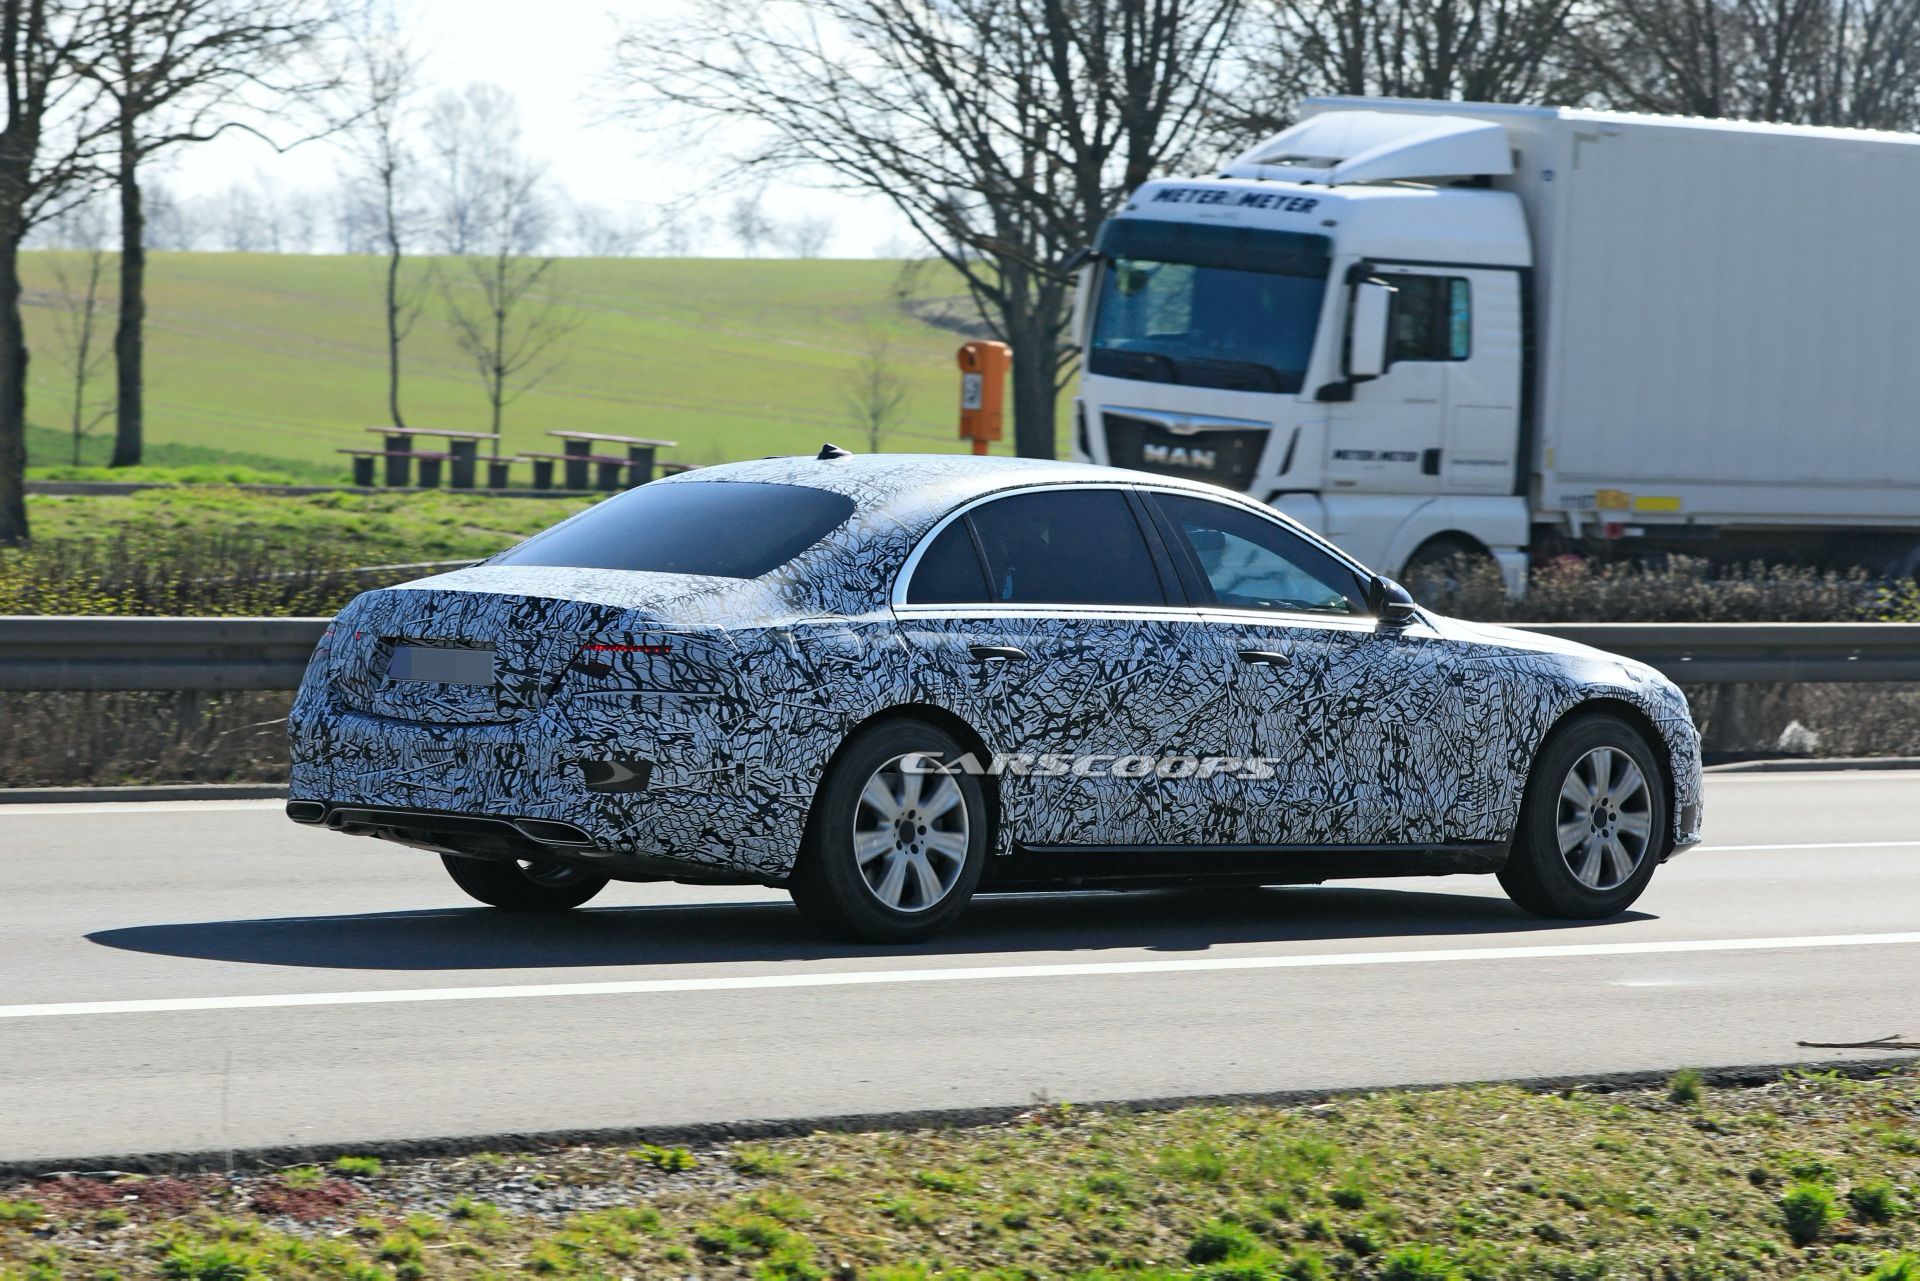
830,451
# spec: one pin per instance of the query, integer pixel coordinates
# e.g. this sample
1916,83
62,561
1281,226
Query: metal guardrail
96,653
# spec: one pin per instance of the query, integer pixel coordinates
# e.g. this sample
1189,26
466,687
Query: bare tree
172,222
302,214
505,308
79,267
468,131
182,71
875,389
805,236
1005,131
241,225
385,80
748,222
1827,62
1477,50
599,232
47,154
356,219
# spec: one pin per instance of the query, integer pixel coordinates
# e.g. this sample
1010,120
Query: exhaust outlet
307,811
547,832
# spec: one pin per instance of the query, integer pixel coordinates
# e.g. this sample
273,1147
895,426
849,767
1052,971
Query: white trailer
1431,327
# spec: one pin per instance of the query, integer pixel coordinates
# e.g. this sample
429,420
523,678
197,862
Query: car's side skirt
1070,866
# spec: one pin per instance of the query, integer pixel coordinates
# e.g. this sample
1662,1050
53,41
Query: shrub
1810,1210
1687,1086
660,1158
1219,1241
1897,1267
359,1167
1417,1263
1874,1201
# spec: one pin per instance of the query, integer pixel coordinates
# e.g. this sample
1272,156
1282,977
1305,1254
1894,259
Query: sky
554,66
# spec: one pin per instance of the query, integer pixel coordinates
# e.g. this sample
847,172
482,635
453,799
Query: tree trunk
1032,325
130,408
13,398
393,304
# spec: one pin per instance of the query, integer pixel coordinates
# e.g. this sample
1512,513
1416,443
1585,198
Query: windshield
1208,306
725,529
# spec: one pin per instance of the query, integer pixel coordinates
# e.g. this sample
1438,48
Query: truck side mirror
1367,328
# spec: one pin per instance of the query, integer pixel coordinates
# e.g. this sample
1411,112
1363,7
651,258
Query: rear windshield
726,529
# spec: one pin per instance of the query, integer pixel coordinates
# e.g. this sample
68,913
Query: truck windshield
1206,305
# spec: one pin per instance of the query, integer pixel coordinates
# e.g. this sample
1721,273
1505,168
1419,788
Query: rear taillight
597,658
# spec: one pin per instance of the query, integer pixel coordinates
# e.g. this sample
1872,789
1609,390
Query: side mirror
1391,603
1367,329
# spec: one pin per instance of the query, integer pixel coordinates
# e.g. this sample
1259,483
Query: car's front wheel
524,885
897,838
1593,825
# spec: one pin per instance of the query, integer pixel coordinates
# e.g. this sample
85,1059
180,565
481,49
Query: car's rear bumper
627,798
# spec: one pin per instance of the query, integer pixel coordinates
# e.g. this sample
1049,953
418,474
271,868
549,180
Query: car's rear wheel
524,885
1593,826
897,838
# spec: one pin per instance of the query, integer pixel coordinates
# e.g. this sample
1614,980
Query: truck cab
1333,324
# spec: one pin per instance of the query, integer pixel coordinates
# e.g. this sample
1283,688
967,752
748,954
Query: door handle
1264,658
996,653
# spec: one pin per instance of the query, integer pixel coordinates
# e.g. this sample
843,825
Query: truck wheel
525,886
1593,825
1437,567
893,852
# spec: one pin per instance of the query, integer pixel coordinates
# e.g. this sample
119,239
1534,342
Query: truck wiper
1167,369
1269,378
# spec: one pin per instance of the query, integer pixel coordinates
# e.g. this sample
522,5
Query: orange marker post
983,391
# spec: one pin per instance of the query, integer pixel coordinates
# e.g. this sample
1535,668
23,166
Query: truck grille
1227,457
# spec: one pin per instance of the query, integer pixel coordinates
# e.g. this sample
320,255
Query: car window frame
1200,590
1172,585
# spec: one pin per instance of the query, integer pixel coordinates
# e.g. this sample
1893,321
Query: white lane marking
133,808
1811,845
968,974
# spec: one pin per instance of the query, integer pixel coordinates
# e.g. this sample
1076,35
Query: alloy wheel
910,832
1604,819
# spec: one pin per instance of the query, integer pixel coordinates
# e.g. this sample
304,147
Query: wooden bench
606,470
463,455
399,464
675,469
579,453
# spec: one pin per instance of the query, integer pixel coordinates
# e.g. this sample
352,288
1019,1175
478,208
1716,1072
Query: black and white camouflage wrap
1417,735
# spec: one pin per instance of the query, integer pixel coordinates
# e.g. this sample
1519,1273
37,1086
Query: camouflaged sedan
885,683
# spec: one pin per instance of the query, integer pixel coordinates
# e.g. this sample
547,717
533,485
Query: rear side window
949,572
725,529
1066,547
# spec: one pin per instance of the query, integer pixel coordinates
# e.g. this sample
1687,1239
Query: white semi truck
1429,328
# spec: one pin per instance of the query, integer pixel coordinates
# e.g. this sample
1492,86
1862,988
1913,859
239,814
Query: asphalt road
208,976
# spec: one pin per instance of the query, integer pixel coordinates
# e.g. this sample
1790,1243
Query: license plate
442,664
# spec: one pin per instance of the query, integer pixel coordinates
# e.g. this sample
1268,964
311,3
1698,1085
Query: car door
1352,722
1052,620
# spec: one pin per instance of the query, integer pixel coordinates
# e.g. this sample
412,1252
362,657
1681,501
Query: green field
276,361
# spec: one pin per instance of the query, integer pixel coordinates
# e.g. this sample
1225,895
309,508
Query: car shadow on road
1170,921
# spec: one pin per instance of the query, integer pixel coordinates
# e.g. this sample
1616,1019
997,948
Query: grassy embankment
1813,1177
271,362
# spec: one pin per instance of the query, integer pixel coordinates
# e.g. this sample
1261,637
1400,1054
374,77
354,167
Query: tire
1594,825
524,887
907,887
1434,570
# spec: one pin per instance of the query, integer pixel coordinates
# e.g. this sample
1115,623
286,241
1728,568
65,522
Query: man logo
1180,456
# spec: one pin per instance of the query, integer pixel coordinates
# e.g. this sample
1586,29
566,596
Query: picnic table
578,455
363,460
462,456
